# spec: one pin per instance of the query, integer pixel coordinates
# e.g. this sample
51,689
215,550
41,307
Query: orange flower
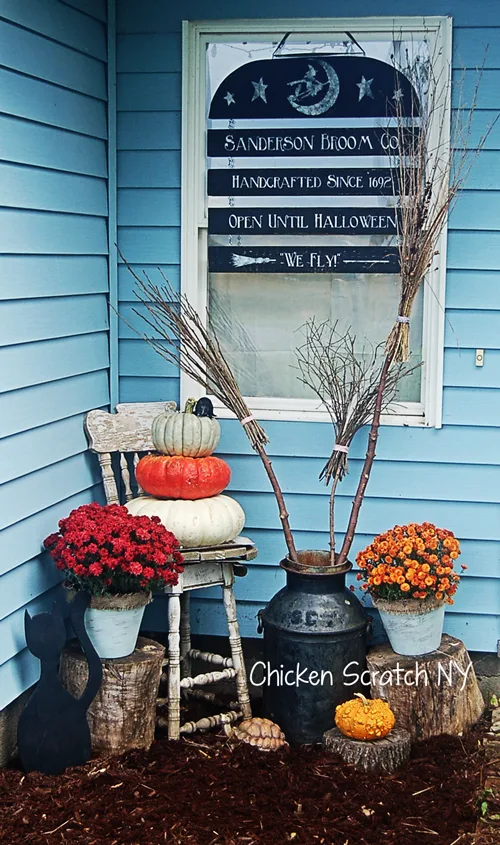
439,596
415,557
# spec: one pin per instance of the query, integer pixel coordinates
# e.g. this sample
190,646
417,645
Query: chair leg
235,642
174,674
185,635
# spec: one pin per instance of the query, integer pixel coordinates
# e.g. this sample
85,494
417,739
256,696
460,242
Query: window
288,208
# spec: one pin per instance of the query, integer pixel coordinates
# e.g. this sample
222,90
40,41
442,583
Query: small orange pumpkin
363,718
179,477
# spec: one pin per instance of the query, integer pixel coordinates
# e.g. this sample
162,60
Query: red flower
107,549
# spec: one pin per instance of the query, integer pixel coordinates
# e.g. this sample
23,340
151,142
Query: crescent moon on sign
309,87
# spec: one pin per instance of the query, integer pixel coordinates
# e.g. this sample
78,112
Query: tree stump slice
122,716
430,694
385,755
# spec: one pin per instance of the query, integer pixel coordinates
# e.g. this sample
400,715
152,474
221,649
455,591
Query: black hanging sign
310,259
358,141
302,221
297,112
314,86
312,182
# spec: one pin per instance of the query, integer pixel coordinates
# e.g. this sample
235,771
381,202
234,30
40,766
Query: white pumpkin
202,522
184,433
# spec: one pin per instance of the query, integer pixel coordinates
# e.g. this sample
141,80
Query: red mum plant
105,550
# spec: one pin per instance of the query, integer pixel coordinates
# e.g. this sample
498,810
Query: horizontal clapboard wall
448,476
53,297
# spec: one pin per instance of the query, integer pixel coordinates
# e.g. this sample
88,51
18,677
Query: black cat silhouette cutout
53,732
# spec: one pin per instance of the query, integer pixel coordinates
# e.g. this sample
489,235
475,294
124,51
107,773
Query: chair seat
205,567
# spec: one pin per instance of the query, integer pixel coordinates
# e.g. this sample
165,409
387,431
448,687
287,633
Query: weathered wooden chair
125,435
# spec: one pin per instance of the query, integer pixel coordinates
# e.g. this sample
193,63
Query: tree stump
123,713
430,694
380,755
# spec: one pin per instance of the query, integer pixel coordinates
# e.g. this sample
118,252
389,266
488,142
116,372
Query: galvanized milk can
315,633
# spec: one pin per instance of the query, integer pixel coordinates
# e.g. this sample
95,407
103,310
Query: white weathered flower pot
413,627
113,622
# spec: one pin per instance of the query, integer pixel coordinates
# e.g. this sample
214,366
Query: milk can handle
260,626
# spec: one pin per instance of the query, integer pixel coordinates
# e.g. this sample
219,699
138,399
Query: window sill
413,418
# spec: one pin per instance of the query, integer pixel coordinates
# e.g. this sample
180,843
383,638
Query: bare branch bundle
349,383
430,173
430,176
180,337
346,380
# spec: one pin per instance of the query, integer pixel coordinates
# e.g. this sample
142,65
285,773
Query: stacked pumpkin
185,481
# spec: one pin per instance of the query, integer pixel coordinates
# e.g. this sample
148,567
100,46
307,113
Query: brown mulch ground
205,791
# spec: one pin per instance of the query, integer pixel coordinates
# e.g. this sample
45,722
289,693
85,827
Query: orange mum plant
411,562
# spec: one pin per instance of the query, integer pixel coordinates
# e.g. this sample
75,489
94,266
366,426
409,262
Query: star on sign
365,88
229,98
398,95
259,90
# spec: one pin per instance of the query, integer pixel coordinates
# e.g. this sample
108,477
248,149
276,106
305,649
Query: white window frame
194,268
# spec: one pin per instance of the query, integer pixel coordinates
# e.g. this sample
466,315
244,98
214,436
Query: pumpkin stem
189,406
363,699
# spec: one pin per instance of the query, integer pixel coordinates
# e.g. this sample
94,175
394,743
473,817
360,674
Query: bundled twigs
430,170
348,382
180,337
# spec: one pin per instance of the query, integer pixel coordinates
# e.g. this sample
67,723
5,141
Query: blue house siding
450,476
53,293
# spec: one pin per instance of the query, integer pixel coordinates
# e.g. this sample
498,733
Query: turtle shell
261,733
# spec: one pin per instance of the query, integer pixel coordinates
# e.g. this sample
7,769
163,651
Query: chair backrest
127,432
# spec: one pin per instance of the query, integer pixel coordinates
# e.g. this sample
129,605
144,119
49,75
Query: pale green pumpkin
184,433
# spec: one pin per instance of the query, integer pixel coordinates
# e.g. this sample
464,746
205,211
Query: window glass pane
258,318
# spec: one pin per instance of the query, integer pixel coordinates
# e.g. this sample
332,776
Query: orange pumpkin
363,718
180,477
